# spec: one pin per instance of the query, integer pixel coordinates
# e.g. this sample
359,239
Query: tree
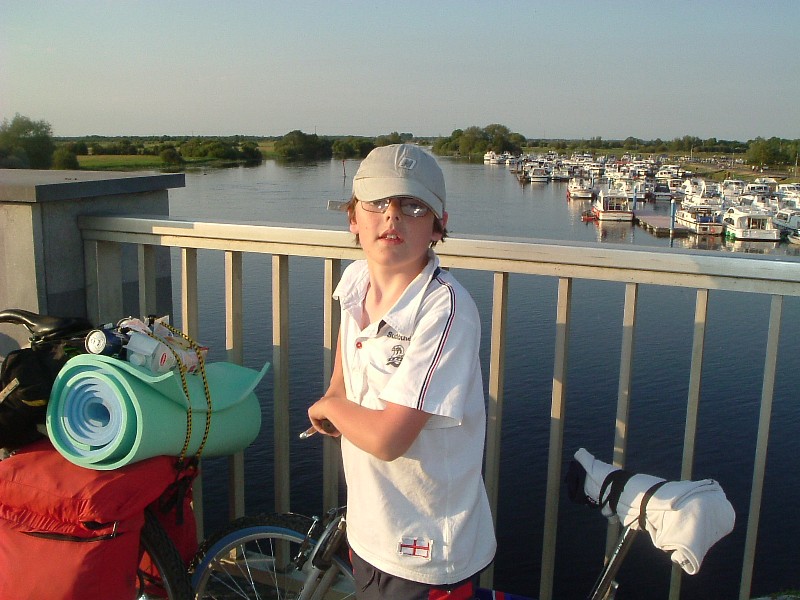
64,158
297,145
352,147
769,152
476,141
385,140
26,144
171,156
250,152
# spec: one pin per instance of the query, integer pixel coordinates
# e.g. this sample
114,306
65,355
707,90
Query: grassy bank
149,162
119,162
145,162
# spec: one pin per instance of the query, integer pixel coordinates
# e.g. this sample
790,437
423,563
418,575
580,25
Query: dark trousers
374,584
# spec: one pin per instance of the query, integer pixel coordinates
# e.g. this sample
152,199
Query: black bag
26,379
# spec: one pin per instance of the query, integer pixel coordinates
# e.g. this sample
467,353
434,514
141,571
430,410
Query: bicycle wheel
253,558
161,572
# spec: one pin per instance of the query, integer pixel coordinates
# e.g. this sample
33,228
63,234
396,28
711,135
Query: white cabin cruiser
746,223
612,205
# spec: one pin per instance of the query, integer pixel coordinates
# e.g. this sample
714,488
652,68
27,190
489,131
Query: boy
406,393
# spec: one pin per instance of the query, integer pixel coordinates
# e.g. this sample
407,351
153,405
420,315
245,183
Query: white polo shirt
424,516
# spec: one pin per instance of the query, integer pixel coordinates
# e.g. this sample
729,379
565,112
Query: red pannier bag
69,532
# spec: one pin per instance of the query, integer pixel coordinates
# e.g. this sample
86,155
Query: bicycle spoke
255,558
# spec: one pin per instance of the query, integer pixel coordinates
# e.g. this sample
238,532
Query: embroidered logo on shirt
397,356
415,547
396,336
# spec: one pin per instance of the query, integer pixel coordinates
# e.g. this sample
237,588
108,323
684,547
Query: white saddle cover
684,518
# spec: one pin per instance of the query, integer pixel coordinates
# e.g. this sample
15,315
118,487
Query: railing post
625,374
190,324
556,445
495,410
147,279
103,264
331,450
762,440
692,409
235,354
624,393
280,373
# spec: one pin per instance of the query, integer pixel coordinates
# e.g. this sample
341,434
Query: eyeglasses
408,206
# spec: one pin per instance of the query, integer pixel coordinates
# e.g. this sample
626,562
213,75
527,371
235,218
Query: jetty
659,224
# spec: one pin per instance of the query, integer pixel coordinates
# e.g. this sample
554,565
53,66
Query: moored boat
492,158
661,191
789,194
787,220
701,219
745,223
538,175
612,205
580,188
702,192
676,187
794,237
731,189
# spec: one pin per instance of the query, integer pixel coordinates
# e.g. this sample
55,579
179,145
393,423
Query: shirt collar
402,316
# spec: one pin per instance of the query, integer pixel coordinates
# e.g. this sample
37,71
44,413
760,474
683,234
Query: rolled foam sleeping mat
105,413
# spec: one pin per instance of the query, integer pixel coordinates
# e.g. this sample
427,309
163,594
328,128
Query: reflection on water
615,232
754,247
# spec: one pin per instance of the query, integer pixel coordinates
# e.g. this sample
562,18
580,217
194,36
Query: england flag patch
415,547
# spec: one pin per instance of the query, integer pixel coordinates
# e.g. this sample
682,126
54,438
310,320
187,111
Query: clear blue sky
561,68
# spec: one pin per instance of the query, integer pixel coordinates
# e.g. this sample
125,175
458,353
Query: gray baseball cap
401,170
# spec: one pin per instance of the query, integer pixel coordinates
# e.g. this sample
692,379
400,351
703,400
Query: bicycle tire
240,562
161,572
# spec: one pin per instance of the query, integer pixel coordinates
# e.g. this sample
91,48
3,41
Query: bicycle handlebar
46,328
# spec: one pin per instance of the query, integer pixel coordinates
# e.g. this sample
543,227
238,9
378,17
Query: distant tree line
27,143
773,151
297,145
685,144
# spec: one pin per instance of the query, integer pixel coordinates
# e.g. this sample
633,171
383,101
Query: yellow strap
182,372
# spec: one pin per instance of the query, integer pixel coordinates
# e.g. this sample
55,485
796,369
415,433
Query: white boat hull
699,224
613,215
756,235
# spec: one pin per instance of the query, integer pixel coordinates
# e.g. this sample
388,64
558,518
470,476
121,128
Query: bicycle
161,572
277,556
290,556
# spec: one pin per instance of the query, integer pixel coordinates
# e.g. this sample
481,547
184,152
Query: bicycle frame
321,576
605,588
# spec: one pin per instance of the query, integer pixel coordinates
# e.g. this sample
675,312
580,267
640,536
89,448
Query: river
488,200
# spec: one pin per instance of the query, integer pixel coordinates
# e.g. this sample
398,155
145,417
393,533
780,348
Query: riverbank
138,162
146,162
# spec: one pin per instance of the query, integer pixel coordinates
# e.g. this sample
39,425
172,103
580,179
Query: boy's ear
436,236
353,224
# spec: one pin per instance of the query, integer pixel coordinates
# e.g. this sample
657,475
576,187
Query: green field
104,162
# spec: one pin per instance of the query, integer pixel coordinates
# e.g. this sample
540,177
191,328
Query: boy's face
394,239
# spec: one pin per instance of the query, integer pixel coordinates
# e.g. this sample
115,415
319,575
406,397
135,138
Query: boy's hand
326,425
317,415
